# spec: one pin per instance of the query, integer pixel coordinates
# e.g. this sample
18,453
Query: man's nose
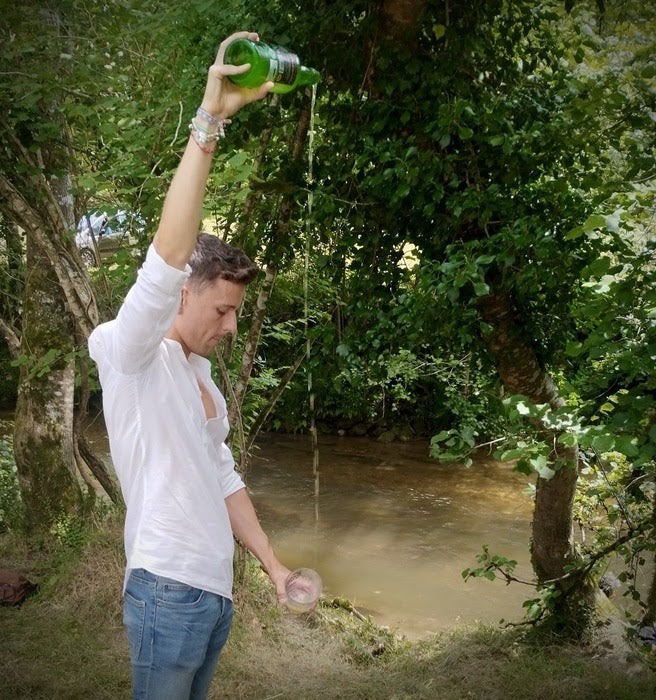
230,324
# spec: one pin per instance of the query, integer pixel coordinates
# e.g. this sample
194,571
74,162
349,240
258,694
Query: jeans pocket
134,617
174,594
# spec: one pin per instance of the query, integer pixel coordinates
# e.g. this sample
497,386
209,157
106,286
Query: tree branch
11,338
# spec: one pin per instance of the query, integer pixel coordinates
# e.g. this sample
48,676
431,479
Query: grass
67,642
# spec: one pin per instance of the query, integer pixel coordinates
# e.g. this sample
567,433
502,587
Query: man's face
206,315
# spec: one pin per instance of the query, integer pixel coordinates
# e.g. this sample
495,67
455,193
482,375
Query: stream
392,529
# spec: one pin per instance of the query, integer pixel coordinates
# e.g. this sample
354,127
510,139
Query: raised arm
176,235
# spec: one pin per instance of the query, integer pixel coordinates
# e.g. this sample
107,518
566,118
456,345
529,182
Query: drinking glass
303,587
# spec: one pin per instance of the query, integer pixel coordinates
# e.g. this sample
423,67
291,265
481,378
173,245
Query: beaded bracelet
205,139
203,134
220,124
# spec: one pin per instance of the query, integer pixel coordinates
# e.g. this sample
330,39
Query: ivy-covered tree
57,305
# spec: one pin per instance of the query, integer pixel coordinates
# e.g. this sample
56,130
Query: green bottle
268,62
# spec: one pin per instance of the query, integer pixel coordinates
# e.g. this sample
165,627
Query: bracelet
203,138
202,114
220,124
202,134
200,145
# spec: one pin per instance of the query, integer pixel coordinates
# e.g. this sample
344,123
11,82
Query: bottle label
284,67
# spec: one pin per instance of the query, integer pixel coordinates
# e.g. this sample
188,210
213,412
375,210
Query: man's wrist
210,115
213,126
206,130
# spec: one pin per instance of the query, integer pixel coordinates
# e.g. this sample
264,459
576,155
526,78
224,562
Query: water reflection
395,529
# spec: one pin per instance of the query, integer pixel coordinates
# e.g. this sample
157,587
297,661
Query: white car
99,234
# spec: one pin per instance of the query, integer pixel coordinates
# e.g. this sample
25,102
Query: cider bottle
268,62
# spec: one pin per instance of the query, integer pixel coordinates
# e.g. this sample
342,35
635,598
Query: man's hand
278,576
222,97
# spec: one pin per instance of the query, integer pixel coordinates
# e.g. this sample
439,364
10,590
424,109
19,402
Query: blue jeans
176,633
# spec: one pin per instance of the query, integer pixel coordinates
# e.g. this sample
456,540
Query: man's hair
214,259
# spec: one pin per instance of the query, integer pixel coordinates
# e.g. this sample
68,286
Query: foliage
508,149
482,181
615,509
495,566
612,419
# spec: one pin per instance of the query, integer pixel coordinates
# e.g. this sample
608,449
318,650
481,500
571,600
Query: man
167,423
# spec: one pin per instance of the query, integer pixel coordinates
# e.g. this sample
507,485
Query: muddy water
392,530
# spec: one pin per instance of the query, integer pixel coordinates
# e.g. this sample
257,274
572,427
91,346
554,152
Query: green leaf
574,233
508,455
598,267
627,445
541,466
574,348
481,289
523,467
568,439
596,221
603,443
485,259
239,159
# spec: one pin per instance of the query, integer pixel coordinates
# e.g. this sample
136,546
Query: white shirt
174,467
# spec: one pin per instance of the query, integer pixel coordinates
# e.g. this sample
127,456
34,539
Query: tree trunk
649,616
43,427
552,544
252,341
58,313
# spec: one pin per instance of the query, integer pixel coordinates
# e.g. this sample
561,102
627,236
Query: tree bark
252,341
43,424
49,228
552,539
649,616
58,313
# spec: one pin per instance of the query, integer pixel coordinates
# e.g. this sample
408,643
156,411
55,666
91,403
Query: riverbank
67,642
